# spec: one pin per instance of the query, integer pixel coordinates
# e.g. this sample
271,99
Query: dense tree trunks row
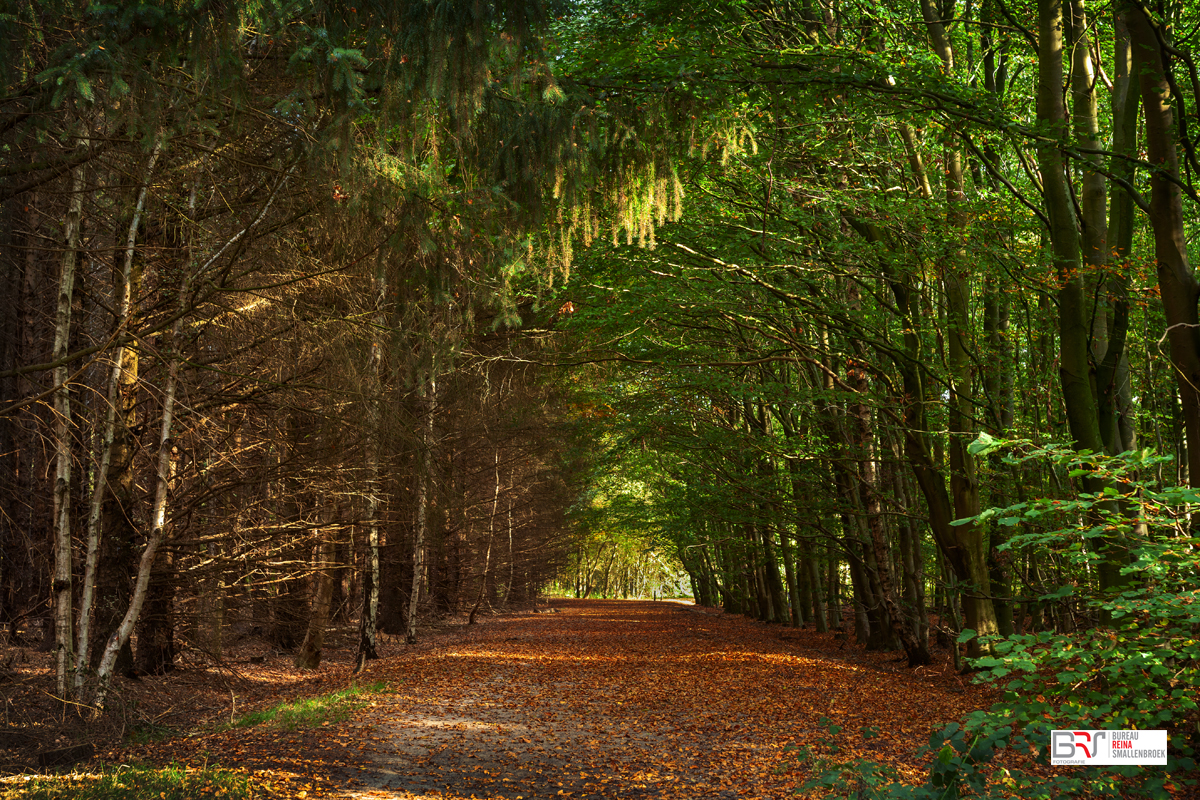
260,359
964,345
214,425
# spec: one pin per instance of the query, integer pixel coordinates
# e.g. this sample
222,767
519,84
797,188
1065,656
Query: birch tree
117,378
63,436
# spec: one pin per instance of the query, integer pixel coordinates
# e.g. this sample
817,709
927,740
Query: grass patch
310,712
151,732
126,782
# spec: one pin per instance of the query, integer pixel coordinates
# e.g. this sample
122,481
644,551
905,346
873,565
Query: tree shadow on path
623,699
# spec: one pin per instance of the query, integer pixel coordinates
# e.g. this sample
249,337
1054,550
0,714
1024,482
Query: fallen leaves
606,699
626,698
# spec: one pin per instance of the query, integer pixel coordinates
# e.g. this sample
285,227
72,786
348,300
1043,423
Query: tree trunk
796,608
120,397
369,618
1074,330
158,511
309,655
62,442
120,637
862,600
901,629
1113,392
815,583
156,626
425,478
912,565
487,557
964,490
1178,286
836,619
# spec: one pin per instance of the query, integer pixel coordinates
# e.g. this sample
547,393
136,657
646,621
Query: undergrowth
311,712
150,732
125,782
1137,667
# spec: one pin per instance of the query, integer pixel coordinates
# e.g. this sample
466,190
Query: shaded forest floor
589,699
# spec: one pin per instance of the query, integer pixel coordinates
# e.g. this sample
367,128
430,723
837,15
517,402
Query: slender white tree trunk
158,515
158,512
487,558
62,440
508,591
369,623
424,487
124,307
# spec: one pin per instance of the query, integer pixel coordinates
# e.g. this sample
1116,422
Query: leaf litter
607,699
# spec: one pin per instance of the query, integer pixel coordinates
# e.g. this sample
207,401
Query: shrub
1137,665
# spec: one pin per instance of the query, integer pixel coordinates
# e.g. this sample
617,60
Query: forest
874,318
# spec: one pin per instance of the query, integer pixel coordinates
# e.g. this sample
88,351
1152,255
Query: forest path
630,699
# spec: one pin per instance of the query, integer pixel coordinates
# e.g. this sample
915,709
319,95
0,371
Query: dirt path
611,699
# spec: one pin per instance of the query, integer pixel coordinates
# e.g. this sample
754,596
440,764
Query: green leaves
985,444
142,782
1136,663
1135,671
342,67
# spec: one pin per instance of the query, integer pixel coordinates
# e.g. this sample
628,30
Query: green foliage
151,732
1137,666
1141,667
857,778
342,66
136,782
310,712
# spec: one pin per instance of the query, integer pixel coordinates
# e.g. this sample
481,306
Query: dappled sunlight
685,704
586,701
743,657
460,724
498,657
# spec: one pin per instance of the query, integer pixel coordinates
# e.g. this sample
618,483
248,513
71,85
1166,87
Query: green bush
1136,666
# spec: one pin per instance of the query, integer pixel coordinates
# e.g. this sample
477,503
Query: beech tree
915,295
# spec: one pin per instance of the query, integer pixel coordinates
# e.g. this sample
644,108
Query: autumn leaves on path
612,699
588,699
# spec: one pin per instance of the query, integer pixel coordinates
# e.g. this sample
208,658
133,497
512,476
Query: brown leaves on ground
605,699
